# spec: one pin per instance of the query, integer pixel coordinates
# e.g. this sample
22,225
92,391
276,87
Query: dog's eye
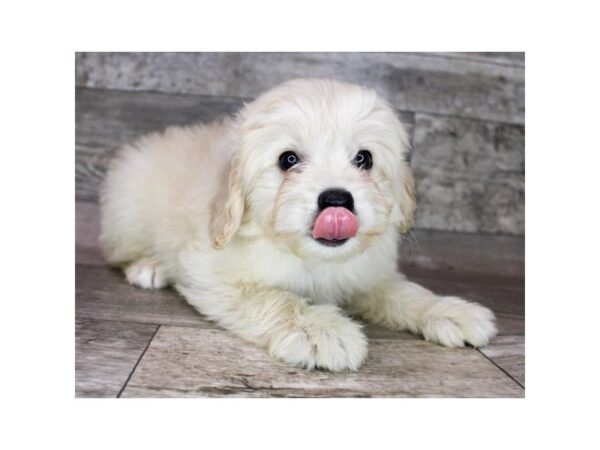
287,160
363,160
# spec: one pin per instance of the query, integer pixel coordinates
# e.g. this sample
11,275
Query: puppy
271,222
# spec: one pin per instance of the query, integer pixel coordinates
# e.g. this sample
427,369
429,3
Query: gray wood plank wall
466,113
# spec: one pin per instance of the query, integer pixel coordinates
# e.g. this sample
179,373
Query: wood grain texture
103,293
504,58
87,224
469,175
468,86
189,362
105,355
508,352
473,253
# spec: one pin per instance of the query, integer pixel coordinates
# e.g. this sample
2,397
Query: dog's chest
322,283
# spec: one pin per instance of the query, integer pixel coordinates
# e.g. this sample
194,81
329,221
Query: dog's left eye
363,160
287,160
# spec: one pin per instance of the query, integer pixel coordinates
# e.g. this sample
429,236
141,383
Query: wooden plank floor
138,343
201,362
106,353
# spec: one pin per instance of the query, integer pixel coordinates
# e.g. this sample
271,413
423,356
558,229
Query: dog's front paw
454,322
321,338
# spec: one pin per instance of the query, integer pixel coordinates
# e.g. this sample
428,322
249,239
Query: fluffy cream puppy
273,222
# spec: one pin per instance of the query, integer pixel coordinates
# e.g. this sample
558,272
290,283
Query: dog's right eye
287,160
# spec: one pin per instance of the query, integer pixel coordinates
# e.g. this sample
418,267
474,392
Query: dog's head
317,166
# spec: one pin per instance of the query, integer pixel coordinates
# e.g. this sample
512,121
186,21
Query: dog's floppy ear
403,184
407,200
227,206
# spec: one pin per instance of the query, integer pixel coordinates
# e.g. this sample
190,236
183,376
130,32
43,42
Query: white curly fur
207,209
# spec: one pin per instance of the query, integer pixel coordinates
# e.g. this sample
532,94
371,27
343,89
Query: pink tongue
335,223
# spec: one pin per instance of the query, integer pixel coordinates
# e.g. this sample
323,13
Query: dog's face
319,167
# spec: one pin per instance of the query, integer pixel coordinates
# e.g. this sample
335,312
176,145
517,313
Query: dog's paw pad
455,322
145,275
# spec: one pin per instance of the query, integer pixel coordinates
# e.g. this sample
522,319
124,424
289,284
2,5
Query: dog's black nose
336,197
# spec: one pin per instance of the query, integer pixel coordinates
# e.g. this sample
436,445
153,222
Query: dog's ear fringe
227,208
408,202
406,192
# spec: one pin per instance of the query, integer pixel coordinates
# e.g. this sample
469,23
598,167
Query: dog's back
157,192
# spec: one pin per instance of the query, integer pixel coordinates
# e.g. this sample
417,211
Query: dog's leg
146,274
403,305
292,330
